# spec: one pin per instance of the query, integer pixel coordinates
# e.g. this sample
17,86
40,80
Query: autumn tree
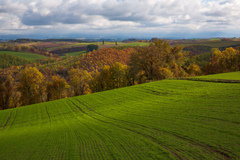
79,80
155,59
6,91
18,48
111,77
31,86
118,75
92,47
55,88
105,78
225,61
96,84
194,70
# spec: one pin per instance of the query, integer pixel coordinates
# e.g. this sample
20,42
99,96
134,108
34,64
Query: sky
121,18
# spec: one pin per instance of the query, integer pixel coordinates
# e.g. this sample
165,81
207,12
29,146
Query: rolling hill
9,60
27,56
169,119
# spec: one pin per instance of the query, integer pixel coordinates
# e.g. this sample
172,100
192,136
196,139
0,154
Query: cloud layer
136,16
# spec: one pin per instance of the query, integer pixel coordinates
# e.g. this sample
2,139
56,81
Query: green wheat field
169,119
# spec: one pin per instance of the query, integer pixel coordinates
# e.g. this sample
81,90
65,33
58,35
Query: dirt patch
52,44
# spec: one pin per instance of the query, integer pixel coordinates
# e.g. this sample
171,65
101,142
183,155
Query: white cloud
136,15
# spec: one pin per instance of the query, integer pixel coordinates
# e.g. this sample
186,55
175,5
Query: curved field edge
24,55
227,76
170,119
231,77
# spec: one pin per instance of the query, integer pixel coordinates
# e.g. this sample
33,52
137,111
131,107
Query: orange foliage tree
95,60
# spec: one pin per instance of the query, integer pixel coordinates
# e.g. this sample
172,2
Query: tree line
157,61
34,49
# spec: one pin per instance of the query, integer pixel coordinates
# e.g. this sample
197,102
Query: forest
24,82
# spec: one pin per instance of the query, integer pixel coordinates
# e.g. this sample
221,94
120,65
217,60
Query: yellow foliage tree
118,75
110,77
79,80
194,69
55,88
225,61
31,86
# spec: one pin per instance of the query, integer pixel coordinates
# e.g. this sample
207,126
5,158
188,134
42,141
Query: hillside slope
169,119
27,56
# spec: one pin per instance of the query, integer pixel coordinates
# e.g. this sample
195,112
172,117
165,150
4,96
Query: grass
137,44
169,119
227,76
27,56
215,39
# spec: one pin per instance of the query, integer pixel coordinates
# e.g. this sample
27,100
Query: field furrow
103,119
4,119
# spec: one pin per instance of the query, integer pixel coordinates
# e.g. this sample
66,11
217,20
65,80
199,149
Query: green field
27,56
228,76
137,44
215,39
169,119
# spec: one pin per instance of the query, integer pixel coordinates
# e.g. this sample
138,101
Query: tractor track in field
14,118
218,119
98,133
44,139
223,152
7,120
101,137
133,131
92,130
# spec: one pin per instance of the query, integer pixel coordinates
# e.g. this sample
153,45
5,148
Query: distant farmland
169,119
137,44
75,53
27,56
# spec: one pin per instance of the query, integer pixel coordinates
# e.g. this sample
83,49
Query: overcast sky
156,18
